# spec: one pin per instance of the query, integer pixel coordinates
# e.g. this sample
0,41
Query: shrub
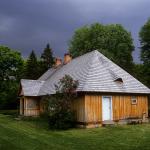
62,120
59,104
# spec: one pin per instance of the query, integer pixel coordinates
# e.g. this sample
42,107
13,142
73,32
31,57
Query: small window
133,100
119,80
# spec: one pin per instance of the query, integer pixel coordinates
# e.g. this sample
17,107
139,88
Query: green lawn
32,135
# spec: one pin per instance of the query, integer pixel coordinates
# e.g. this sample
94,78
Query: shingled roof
31,87
94,72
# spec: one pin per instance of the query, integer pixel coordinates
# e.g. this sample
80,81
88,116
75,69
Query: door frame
111,107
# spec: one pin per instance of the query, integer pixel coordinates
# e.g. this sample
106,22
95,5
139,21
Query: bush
8,95
62,120
58,108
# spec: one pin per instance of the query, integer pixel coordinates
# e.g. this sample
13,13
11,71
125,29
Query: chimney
67,58
58,62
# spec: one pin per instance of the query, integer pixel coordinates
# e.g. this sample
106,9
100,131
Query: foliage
20,73
141,73
111,40
145,43
146,75
46,61
8,94
31,67
34,67
47,58
59,104
65,93
10,66
10,62
145,51
62,120
138,72
13,68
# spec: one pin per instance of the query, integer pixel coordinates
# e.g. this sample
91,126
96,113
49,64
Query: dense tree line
142,71
13,68
34,67
112,40
10,66
145,51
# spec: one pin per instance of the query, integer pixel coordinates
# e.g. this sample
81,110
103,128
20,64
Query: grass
33,134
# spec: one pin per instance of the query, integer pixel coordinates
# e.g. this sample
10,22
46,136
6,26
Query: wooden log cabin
105,92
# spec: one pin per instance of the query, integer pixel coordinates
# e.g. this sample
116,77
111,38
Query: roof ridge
83,55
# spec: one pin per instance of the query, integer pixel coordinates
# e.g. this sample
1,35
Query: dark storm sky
31,24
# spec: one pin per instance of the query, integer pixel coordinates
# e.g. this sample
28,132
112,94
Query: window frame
134,100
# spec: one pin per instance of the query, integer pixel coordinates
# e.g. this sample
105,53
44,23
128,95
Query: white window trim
133,103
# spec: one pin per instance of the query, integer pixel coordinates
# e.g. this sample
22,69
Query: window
133,100
119,80
32,104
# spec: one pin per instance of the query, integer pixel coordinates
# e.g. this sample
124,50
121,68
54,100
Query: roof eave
122,93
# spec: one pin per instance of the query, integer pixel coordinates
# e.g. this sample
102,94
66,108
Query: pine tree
47,58
31,67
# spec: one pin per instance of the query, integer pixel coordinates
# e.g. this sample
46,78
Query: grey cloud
30,24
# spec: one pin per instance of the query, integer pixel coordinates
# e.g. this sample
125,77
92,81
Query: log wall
78,106
88,107
30,106
122,107
93,108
